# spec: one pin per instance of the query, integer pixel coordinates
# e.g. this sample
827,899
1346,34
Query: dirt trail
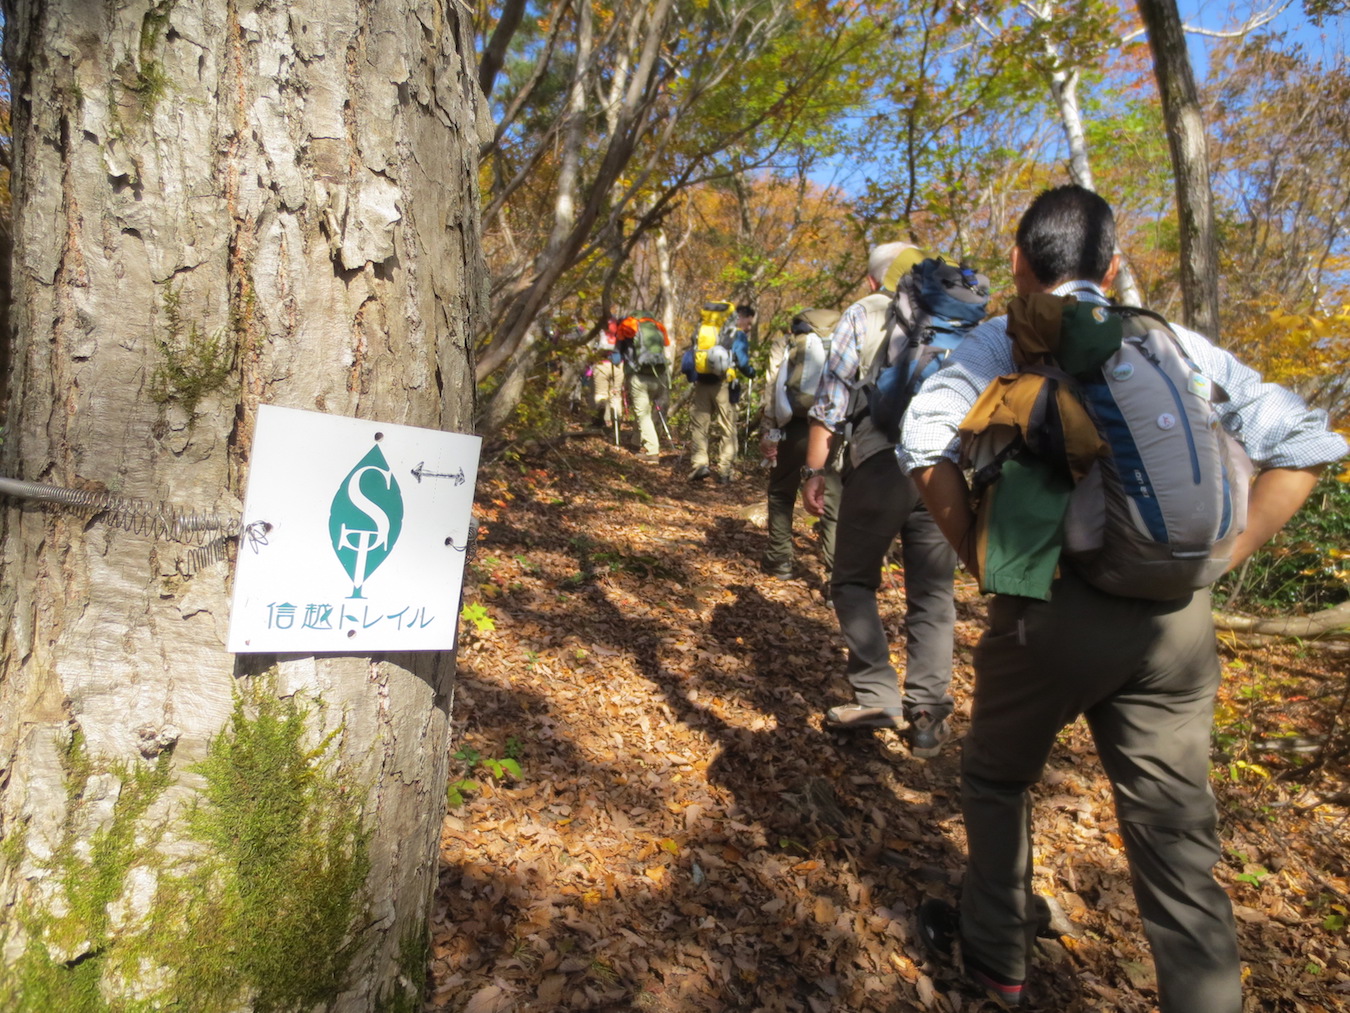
685,837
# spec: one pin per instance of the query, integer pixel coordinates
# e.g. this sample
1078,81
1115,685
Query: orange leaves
661,850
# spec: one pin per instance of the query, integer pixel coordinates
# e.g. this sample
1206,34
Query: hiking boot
724,478
927,734
781,571
700,473
854,716
650,458
939,925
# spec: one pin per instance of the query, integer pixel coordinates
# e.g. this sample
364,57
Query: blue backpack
936,304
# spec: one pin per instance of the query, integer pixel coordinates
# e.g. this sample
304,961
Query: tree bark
1332,622
1190,164
219,205
1064,89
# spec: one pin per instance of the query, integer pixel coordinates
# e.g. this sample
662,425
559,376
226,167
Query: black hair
745,309
1068,233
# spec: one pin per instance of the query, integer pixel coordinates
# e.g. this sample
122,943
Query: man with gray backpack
880,351
1111,495
643,343
796,362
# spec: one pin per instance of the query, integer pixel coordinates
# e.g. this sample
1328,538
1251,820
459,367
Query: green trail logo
366,518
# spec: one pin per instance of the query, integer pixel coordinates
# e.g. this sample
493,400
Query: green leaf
477,614
454,792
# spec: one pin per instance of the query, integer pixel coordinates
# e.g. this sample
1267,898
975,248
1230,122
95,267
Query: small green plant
454,794
191,364
498,769
477,614
1256,877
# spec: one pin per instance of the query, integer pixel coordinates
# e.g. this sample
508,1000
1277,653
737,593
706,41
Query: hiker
718,358
878,504
1144,672
796,362
642,343
606,390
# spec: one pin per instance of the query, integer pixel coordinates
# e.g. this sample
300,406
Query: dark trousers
878,504
1144,674
784,482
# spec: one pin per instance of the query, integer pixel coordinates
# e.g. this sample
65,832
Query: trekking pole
749,407
659,412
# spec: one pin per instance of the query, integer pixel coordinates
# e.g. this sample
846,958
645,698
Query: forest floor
684,836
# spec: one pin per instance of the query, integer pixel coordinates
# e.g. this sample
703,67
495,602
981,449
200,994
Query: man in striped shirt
879,504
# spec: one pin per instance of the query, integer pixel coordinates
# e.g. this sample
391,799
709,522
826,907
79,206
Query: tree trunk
1064,89
1190,164
512,388
667,294
218,205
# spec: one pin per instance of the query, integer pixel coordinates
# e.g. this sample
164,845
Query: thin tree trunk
666,276
1190,164
219,205
512,388
1064,88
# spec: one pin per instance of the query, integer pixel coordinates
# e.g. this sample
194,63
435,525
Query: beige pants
646,389
608,390
711,418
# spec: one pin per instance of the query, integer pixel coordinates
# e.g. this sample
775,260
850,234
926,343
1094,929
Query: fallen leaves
685,838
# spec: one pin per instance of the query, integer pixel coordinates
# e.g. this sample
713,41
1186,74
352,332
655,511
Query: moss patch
191,364
276,911
90,879
414,954
265,919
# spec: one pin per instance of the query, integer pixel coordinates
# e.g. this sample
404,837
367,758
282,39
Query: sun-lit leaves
664,850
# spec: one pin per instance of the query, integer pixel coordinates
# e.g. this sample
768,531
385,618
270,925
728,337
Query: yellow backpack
712,346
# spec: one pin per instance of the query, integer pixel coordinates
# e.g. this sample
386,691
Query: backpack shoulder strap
1137,316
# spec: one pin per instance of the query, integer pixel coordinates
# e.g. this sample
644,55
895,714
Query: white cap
881,256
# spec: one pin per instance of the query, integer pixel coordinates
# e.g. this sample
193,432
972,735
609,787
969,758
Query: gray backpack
1157,515
798,376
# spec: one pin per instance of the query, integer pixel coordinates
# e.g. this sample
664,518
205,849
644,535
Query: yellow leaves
657,874
904,965
1301,350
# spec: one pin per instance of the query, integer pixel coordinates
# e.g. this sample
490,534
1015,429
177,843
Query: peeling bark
297,185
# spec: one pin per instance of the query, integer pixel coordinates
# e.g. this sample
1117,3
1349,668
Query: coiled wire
209,532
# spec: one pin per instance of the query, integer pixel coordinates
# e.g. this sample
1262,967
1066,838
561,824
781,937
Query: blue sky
1326,44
